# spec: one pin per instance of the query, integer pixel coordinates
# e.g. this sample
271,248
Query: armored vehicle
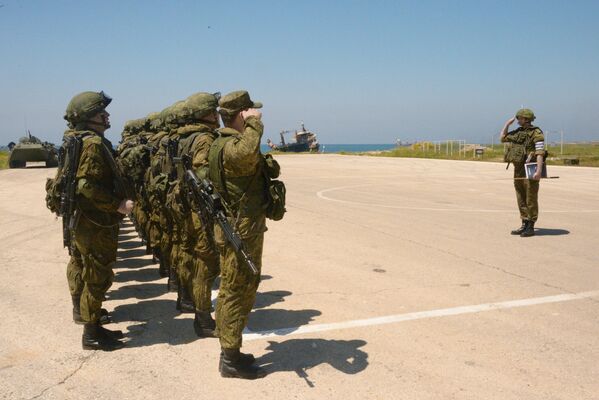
30,149
303,141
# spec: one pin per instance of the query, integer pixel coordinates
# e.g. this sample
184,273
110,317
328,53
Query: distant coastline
347,148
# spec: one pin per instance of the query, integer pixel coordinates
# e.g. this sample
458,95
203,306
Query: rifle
172,148
67,195
212,205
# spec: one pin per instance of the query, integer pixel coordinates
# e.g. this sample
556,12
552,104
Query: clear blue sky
354,71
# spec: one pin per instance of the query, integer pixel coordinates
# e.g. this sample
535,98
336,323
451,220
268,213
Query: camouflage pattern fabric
96,231
244,190
527,190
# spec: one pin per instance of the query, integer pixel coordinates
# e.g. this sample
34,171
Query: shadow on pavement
139,275
158,323
551,232
299,355
272,319
140,291
132,244
131,263
131,253
266,299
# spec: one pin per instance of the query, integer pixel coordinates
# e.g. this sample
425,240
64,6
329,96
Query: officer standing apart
526,144
236,170
100,206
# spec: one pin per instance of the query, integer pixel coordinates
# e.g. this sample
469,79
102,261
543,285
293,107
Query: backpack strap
215,164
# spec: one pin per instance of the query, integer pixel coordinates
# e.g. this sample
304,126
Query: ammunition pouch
276,192
275,189
515,153
53,195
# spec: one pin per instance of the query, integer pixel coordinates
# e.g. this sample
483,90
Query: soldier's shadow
138,275
300,355
551,232
138,291
124,254
266,320
266,299
157,323
129,244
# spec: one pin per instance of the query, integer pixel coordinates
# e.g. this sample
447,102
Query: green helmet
134,126
85,105
149,120
199,105
175,114
526,113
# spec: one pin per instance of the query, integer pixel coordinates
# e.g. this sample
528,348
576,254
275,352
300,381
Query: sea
349,148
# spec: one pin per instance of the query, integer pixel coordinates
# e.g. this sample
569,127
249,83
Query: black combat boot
116,334
162,268
77,310
95,338
529,231
173,281
204,325
184,301
148,249
104,317
521,229
244,358
231,366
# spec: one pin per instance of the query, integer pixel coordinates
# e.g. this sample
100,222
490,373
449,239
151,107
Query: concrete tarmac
388,278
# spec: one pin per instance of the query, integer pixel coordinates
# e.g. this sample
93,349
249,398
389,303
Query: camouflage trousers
95,254
205,266
527,194
142,220
238,287
154,233
74,268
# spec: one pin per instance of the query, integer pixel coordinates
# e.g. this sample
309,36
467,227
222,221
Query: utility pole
562,143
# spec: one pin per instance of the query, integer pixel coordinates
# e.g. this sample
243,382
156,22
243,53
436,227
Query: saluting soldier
530,140
236,170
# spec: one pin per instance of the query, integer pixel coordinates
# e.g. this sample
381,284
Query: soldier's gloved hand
126,207
252,112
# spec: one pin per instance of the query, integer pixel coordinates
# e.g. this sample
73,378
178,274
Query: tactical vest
55,186
245,195
186,145
520,146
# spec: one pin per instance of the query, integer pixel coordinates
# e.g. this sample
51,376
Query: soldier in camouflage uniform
133,157
99,208
145,206
198,261
156,183
170,229
236,170
531,137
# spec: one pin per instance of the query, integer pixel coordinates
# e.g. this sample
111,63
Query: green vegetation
587,154
3,159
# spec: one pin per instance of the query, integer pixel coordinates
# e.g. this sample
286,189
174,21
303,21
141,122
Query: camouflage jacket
531,136
241,179
97,196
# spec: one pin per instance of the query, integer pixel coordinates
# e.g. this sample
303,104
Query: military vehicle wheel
17,164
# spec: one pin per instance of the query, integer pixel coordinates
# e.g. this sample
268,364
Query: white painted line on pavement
322,195
390,319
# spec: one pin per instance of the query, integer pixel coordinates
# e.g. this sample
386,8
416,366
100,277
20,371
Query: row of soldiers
145,179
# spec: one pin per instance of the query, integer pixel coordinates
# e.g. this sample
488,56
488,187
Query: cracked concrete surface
355,254
66,378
